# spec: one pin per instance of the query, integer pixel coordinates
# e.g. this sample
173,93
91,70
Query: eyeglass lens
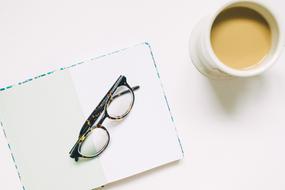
121,102
94,143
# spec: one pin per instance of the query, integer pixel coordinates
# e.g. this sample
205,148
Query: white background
232,131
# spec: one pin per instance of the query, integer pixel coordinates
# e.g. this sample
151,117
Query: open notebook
42,116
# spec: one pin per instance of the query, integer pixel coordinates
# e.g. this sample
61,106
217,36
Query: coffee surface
240,37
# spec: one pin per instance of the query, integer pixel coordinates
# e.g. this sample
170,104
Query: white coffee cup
204,58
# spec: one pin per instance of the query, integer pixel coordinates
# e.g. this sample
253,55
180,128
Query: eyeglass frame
100,109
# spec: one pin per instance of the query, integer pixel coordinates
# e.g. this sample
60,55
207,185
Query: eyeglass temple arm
135,88
99,108
117,95
95,114
93,117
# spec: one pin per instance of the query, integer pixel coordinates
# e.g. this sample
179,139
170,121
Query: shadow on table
139,176
232,93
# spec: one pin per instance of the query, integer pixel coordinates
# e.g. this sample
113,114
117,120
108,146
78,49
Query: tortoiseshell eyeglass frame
101,112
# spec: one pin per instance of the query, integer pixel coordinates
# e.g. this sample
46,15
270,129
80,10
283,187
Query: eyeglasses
94,137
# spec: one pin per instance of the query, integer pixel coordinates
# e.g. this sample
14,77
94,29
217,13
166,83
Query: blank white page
147,137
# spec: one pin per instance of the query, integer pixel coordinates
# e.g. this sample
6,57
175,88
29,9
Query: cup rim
249,72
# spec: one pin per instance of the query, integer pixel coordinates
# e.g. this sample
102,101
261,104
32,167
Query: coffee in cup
241,39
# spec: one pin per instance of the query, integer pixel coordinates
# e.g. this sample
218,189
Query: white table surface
233,132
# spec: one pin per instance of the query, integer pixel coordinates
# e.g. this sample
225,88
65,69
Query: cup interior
275,39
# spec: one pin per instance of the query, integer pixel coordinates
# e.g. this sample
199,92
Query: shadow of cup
232,94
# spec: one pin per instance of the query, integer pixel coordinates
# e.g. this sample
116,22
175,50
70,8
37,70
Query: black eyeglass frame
101,108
